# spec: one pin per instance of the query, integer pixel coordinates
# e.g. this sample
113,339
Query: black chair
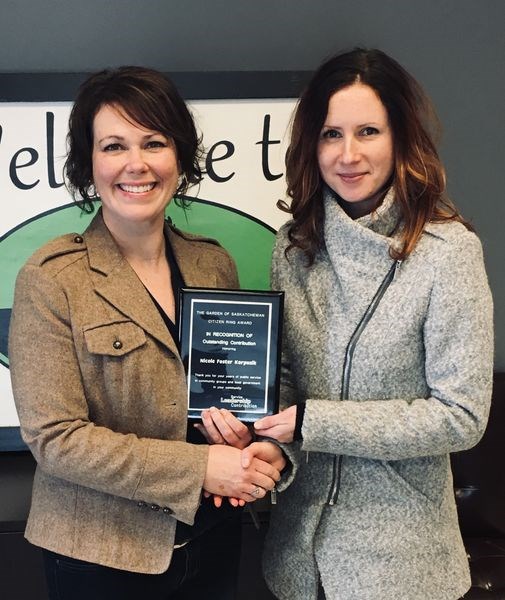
479,486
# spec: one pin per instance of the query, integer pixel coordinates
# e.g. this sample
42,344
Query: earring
92,192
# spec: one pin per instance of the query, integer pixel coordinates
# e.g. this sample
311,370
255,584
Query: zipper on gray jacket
346,375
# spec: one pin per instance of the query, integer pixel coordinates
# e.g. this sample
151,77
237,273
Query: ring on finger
256,491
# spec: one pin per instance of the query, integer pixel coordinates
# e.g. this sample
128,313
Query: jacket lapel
117,283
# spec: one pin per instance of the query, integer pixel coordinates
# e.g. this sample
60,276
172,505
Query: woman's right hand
223,427
226,476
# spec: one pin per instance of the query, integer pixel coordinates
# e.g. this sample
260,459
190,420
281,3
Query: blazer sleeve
458,342
288,394
55,420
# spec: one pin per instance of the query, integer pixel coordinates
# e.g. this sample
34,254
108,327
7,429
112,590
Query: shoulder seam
73,257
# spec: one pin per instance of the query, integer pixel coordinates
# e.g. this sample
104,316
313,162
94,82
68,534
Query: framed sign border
205,85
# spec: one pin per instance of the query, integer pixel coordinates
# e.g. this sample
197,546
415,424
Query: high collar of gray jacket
362,244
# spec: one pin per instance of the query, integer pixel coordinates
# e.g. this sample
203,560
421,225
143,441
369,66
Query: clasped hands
236,468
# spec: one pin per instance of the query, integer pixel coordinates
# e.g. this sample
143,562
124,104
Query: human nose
135,161
350,150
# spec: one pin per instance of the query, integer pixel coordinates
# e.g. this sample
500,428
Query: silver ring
256,491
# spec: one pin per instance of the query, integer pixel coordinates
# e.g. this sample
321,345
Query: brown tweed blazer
100,392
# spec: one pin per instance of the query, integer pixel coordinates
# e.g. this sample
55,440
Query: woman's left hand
280,427
218,500
223,427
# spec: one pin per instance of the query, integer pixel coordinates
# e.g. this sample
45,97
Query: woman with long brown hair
387,346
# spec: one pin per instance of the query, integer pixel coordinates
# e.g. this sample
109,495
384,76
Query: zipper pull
273,496
397,268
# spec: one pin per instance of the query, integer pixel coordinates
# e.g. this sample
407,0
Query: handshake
237,467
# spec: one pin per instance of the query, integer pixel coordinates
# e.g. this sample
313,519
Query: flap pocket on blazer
114,339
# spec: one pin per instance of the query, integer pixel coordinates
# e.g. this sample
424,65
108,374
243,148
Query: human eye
367,131
156,144
329,134
112,147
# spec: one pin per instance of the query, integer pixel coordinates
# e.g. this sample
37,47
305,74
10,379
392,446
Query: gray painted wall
456,48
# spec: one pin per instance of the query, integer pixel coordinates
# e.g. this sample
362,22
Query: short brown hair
418,177
146,97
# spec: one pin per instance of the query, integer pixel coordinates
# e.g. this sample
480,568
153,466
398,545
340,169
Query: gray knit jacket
370,507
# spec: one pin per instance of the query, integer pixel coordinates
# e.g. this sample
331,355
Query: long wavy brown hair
419,177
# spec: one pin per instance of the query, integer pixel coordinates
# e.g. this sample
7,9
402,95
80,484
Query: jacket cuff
300,413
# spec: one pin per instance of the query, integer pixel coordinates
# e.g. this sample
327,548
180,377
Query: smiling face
355,150
135,170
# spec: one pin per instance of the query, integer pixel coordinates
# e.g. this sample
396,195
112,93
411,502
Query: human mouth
136,189
351,177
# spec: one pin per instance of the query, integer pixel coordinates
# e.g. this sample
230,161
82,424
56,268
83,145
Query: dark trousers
206,567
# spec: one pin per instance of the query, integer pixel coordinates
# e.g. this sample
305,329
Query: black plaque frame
231,348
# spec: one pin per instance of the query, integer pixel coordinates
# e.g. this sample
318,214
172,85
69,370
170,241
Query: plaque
230,346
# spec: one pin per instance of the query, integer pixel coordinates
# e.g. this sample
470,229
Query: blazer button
141,504
117,344
78,239
155,507
167,511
